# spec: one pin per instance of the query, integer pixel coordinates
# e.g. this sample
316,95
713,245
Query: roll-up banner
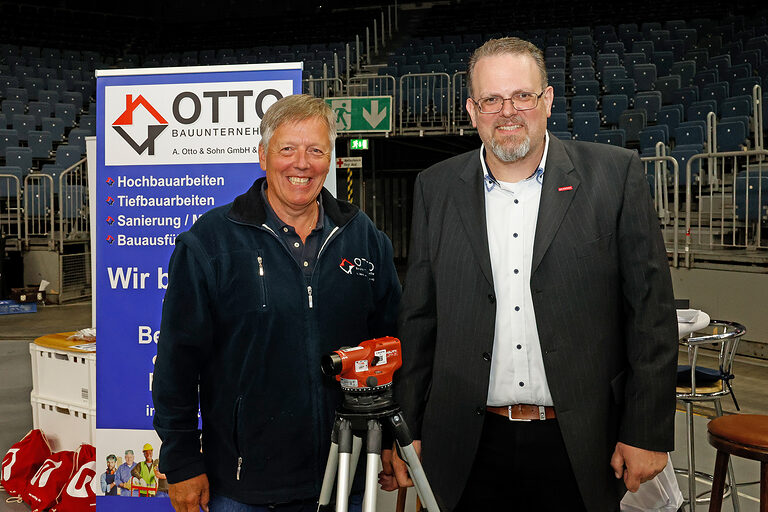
172,143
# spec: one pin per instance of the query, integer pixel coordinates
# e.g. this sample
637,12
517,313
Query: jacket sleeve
417,321
651,323
186,334
387,291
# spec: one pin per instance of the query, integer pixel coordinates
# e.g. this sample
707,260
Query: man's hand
636,465
190,495
394,472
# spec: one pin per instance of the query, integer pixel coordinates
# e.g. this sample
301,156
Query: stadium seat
41,144
39,110
88,122
745,85
586,88
685,96
670,115
751,197
731,135
621,86
34,85
641,47
633,59
650,101
686,69
698,110
586,125
19,157
557,122
645,76
663,61
68,155
689,134
582,74
683,156
608,59
584,104
77,137
667,85
613,105
51,97
12,108
614,137
73,98
615,48
23,123
717,91
612,73
558,105
66,112
736,106
632,121
562,135
652,135
8,139
55,126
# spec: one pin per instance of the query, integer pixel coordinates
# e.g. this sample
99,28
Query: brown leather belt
524,412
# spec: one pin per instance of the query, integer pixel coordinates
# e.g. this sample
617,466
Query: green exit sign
358,144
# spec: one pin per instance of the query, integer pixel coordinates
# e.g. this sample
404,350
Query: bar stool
743,435
712,385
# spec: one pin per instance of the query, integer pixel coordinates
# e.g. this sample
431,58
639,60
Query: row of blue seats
42,142
21,160
15,114
46,90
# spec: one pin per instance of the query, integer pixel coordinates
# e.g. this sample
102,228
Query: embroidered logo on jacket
358,267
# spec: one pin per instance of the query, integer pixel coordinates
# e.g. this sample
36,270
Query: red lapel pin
563,189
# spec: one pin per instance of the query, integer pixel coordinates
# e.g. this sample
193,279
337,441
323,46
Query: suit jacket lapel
470,203
558,174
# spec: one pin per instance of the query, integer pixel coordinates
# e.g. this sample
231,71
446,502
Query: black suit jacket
604,307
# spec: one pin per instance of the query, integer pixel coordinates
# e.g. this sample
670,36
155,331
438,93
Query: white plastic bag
660,494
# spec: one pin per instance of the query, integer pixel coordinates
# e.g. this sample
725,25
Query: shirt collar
490,180
276,222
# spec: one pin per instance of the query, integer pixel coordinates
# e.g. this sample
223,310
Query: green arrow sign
362,114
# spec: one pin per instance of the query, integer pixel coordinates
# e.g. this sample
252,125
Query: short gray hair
294,109
511,46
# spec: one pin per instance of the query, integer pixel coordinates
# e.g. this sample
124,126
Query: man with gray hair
258,290
538,323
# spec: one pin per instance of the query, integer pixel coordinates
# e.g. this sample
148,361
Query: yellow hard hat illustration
147,447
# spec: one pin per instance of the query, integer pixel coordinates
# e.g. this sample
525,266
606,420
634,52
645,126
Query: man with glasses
537,323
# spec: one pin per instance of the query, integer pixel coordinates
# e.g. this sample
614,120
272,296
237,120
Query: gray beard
509,155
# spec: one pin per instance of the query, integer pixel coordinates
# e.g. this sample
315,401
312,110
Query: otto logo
126,119
358,267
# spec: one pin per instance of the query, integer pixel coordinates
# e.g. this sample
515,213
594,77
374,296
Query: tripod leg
357,446
326,491
405,442
373,453
345,454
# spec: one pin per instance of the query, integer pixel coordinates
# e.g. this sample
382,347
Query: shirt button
517,308
516,271
521,384
285,230
306,263
519,347
516,201
491,298
486,356
480,411
514,235
296,244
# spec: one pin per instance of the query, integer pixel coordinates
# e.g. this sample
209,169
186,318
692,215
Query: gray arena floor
16,331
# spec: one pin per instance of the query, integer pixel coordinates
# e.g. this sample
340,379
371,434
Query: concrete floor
16,331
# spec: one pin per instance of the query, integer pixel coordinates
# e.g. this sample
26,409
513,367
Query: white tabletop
690,320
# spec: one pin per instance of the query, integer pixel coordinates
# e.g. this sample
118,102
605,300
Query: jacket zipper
260,260
237,437
309,295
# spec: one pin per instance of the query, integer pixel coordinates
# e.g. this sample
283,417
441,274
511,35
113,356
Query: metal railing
73,211
10,210
424,104
669,218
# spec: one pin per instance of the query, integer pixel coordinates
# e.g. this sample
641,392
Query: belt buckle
509,415
542,414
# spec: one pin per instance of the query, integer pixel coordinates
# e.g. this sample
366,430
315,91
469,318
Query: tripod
362,414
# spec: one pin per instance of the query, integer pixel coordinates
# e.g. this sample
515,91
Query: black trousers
521,466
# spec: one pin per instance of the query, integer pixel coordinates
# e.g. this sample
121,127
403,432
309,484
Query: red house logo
153,130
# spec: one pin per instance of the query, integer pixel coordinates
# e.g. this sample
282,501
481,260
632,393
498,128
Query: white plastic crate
66,425
64,375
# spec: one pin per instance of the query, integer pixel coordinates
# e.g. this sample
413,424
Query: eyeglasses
521,101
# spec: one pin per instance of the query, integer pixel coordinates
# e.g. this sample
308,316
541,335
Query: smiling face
129,458
296,165
148,455
511,135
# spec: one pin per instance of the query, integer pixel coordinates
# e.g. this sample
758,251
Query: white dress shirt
517,366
